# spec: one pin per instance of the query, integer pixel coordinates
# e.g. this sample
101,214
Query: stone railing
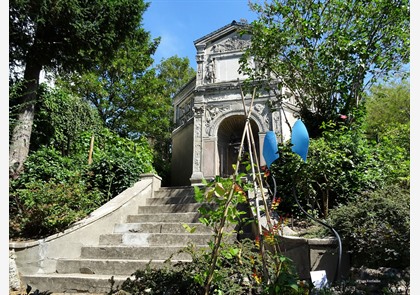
26,258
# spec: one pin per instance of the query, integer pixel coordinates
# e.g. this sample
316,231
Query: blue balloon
300,139
270,148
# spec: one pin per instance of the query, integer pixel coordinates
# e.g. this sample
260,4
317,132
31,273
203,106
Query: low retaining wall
315,254
41,256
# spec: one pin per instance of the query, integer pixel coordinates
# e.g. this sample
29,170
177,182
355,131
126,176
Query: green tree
387,106
60,36
341,165
61,119
123,89
173,73
388,122
327,53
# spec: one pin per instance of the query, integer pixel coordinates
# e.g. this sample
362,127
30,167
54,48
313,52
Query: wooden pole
91,149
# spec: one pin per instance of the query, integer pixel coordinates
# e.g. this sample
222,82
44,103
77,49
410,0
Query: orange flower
257,277
257,242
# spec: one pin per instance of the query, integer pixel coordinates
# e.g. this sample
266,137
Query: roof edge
233,23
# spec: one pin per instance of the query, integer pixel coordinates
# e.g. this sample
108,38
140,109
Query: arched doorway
229,137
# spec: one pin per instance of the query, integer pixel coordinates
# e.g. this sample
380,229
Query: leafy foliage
123,87
387,106
117,162
69,35
55,191
175,72
377,227
47,164
326,53
62,132
175,280
222,201
338,168
238,272
394,155
42,208
342,165
60,37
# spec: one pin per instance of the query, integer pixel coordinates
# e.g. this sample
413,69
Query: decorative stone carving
197,157
197,141
276,121
184,113
231,44
199,58
210,71
223,97
211,114
198,111
197,128
260,109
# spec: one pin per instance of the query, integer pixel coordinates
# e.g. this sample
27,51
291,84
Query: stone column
197,174
200,65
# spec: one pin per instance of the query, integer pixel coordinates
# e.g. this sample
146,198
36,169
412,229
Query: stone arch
229,135
256,117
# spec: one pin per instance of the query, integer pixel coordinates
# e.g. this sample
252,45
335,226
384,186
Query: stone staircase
150,236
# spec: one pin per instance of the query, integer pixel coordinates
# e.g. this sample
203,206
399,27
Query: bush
47,163
376,227
44,208
237,272
55,190
117,162
341,166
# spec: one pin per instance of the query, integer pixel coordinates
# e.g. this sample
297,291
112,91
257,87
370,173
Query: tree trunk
325,201
21,136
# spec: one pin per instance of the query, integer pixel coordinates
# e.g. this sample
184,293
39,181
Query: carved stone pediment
232,43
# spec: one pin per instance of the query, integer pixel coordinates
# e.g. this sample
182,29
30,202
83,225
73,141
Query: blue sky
180,22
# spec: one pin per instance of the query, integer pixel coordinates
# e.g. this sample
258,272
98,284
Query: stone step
73,283
160,227
165,192
110,266
187,217
171,208
136,252
154,239
171,200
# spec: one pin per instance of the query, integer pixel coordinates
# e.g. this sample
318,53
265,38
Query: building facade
209,111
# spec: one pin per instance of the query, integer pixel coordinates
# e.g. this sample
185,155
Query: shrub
44,208
341,166
117,162
55,190
45,164
237,272
376,227
394,155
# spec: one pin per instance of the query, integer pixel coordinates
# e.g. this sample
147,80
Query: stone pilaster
197,174
200,65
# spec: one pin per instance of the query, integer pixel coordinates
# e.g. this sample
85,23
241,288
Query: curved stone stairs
151,236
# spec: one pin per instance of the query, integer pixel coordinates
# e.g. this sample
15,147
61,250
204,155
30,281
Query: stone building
209,111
